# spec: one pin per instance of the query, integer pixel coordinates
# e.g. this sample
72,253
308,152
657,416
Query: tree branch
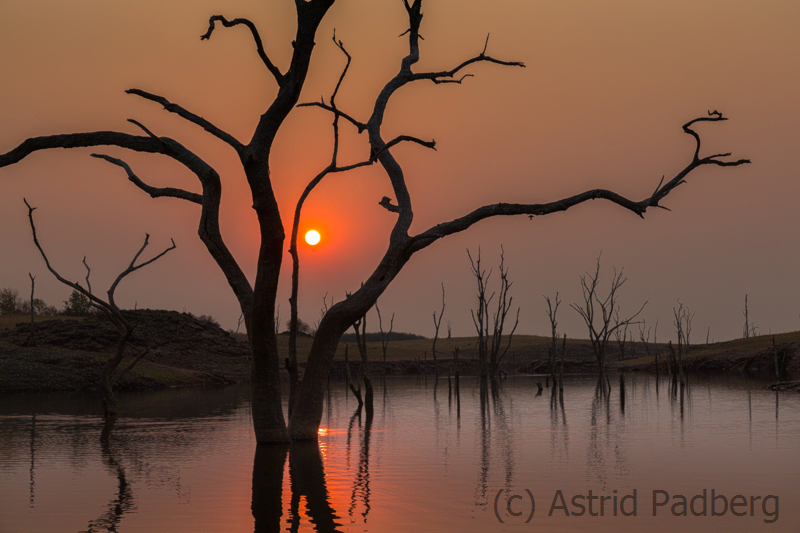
76,286
361,126
397,140
208,227
426,238
256,37
447,76
154,192
191,117
133,267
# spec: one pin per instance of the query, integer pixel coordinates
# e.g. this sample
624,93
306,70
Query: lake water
186,461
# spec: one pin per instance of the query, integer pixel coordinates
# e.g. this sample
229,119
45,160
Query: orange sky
601,104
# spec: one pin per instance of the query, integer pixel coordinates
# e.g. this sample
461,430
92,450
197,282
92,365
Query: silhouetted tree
490,355
552,310
436,324
257,301
385,336
749,329
364,373
109,307
597,312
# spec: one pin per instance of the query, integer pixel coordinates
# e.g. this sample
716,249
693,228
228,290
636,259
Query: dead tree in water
645,340
624,342
364,372
597,313
552,309
436,325
683,328
384,337
356,390
31,340
111,310
489,355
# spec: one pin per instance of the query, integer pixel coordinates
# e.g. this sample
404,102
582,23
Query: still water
186,460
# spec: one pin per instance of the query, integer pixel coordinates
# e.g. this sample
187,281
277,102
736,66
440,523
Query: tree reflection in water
307,476
361,482
124,501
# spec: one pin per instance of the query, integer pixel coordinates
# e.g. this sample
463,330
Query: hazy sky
607,87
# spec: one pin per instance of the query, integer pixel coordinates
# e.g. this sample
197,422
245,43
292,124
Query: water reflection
182,462
124,501
361,489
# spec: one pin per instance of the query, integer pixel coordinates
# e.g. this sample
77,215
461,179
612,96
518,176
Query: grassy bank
57,368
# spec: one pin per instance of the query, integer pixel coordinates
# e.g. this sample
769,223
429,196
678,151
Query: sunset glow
312,237
603,81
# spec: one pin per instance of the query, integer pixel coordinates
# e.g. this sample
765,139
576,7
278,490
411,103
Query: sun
312,237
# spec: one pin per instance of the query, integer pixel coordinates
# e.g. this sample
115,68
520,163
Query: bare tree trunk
31,340
109,400
384,338
355,390
364,373
552,309
436,324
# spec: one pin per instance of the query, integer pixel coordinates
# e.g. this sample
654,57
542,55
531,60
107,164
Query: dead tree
109,307
598,313
31,340
552,309
490,356
621,335
364,372
644,338
436,325
683,328
749,329
355,387
257,301
384,337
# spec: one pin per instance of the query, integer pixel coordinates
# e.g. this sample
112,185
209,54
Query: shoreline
71,354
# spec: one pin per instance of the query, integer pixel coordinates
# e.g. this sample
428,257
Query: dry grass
728,349
409,350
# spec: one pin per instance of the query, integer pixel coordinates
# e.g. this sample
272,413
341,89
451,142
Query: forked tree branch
448,76
109,306
397,140
191,117
133,267
361,126
256,37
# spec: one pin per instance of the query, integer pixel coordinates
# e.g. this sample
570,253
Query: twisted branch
426,238
256,37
